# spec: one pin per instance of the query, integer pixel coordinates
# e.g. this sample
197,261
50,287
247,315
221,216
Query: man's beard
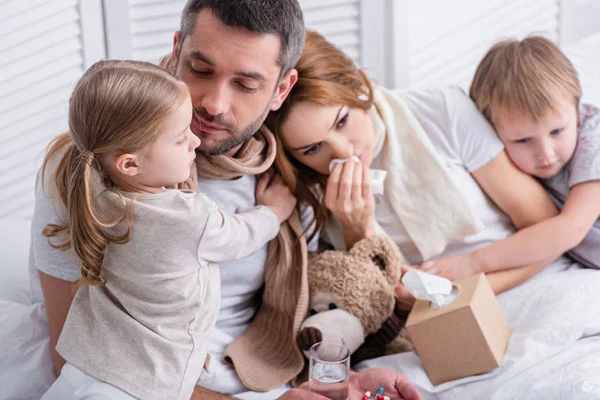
236,137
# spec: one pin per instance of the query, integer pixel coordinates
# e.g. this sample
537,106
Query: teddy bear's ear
381,251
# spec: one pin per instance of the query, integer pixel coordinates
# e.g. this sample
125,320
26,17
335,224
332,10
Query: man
237,58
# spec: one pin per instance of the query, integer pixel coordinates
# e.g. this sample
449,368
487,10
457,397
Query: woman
450,187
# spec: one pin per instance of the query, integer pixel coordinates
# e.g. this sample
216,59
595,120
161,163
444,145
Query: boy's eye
312,149
556,132
525,140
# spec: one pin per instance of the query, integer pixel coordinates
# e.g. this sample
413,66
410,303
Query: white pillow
15,237
26,366
585,56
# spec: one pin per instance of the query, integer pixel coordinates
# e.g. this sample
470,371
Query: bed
554,351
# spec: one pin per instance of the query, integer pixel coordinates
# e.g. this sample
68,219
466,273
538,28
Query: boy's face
539,148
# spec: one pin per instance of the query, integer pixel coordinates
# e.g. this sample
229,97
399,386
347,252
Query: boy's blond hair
525,76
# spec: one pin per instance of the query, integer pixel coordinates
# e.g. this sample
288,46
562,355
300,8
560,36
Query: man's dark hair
282,18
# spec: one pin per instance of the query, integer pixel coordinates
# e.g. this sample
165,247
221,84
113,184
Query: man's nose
216,100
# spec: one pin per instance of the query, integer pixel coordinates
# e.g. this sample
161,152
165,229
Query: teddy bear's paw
308,337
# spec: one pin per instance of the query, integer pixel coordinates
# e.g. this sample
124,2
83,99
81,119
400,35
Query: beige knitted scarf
266,355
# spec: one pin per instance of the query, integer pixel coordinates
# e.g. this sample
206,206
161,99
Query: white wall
45,45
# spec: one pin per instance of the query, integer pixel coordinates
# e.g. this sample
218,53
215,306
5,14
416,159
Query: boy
530,92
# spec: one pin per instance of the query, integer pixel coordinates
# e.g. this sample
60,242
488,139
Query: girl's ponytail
87,235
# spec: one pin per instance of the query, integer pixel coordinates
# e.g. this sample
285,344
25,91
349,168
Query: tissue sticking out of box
377,175
424,286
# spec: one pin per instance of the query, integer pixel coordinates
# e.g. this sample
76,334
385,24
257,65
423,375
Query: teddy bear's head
352,293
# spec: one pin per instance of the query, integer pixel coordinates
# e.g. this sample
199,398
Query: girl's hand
274,194
348,196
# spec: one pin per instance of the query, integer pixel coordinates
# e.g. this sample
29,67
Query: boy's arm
525,201
539,244
548,239
517,194
501,281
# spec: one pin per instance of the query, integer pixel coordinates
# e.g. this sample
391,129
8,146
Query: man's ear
175,51
286,84
128,164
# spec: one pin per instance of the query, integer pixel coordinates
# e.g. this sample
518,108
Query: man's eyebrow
252,75
199,56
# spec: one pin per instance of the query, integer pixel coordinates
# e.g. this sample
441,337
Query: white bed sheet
554,350
553,353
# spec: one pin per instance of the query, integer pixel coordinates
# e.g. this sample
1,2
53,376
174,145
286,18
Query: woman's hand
348,196
404,299
453,268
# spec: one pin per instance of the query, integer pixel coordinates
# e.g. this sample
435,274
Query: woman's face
315,134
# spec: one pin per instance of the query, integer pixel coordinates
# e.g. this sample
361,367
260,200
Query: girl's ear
128,164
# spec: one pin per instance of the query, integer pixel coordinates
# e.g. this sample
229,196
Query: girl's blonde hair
326,76
524,75
116,107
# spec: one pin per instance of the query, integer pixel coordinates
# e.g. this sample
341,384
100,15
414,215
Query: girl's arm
58,296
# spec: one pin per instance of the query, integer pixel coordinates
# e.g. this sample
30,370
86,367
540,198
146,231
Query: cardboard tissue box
468,336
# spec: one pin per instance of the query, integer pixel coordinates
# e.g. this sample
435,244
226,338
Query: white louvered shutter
141,29
354,26
445,40
42,55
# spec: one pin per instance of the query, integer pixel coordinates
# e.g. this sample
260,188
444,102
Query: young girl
530,93
148,295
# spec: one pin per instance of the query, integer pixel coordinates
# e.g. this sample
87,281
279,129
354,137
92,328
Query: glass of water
329,370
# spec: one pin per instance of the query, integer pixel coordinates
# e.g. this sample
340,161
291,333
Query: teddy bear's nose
308,336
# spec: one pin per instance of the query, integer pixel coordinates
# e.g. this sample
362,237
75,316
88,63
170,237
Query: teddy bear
352,300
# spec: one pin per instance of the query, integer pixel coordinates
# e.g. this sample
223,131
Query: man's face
233,78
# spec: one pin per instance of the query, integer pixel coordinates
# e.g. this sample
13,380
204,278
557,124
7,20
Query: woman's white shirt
465,142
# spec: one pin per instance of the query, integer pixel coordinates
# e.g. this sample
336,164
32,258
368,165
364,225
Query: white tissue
377,175
423,286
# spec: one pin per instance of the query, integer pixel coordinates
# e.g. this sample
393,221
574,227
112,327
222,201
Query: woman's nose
342,148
